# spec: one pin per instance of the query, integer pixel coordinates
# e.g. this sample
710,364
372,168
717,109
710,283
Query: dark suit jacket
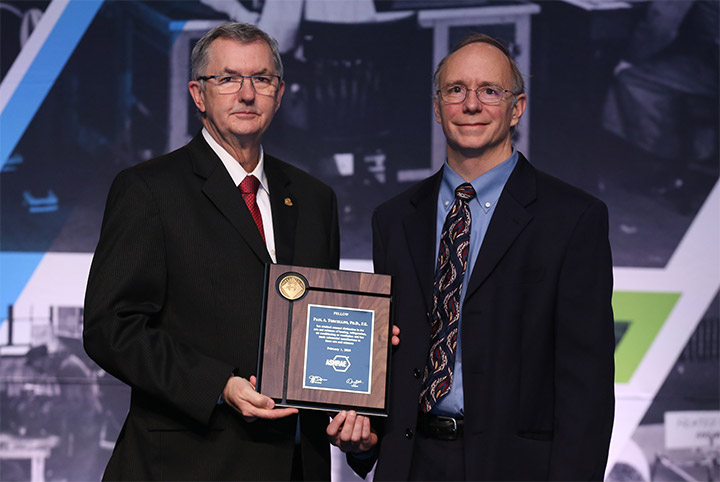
537,331
174,303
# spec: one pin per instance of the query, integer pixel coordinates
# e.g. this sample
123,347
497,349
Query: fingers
396,335
357,433
240,394
335,425
366,429
348,430
274,414
248,394
351,432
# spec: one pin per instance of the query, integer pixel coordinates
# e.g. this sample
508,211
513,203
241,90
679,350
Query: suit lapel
219,188
419,229
508,221
284,210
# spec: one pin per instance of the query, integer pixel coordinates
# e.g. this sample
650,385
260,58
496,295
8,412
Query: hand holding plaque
326,339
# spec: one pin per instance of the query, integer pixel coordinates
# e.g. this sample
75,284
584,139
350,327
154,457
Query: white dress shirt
262,198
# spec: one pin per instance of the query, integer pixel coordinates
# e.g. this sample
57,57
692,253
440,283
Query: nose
247,91
471,102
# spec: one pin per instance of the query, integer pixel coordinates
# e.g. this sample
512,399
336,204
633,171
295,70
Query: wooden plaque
325,340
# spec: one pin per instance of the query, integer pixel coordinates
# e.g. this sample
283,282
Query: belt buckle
453,435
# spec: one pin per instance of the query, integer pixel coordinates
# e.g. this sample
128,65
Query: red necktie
248,188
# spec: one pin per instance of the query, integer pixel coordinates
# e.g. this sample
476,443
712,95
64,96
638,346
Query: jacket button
408,433
417,373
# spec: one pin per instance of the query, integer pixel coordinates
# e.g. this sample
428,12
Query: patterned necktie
451,264
248,188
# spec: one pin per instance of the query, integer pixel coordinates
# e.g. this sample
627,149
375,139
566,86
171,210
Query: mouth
472,124
245,113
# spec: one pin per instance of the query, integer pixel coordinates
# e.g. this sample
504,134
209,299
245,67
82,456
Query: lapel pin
288,201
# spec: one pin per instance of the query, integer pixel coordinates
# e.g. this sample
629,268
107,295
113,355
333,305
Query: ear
518,109
436,108
197,95
278,96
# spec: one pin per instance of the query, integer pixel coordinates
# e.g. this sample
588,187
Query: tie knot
465,191
249,185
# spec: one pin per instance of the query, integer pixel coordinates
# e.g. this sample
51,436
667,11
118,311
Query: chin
474,146
245,131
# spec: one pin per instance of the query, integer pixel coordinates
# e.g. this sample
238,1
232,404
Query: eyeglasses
231,84
487,94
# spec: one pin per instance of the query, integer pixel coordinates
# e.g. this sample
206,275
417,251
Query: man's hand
396,336
240,394
351,432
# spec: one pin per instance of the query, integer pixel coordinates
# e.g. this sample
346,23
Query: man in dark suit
503,282
175,292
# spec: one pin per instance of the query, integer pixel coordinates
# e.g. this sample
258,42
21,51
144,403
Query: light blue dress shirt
488,188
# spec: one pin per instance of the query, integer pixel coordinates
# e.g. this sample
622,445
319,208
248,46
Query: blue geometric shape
43,72
16,269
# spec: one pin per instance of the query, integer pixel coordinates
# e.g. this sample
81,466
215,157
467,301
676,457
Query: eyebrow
230,71
482,84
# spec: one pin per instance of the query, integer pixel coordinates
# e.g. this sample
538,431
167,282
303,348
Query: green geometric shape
643,314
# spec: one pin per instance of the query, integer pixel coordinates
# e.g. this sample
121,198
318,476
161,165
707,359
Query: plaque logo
339,363
292,286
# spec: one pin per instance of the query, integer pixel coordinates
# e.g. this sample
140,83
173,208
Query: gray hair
242,32
518,82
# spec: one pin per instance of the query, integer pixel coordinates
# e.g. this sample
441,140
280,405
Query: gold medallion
291,286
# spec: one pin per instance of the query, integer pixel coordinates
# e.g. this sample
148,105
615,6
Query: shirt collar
233,167
488,186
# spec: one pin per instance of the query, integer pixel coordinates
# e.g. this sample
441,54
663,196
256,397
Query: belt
439,427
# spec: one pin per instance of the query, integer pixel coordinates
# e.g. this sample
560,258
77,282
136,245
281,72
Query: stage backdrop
623,103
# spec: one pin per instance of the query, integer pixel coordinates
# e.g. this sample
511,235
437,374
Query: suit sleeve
124,301
584,355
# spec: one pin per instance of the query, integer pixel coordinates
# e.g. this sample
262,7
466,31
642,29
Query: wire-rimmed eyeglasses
487,94
263,84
